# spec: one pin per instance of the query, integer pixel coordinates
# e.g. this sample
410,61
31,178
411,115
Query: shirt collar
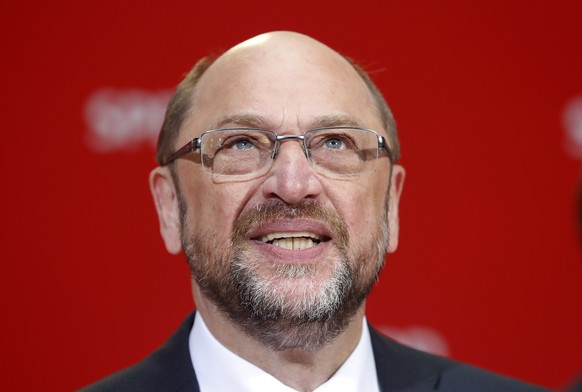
219,369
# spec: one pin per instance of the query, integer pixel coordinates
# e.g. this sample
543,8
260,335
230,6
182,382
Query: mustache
273,210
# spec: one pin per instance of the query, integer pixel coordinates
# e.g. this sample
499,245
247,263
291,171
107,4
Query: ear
396,185
166,201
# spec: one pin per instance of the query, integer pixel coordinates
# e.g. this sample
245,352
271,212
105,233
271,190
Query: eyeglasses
238,154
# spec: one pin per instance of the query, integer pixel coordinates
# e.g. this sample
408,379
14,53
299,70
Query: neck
303,370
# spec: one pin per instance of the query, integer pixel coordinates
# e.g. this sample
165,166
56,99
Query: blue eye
239,142
334,143
242,144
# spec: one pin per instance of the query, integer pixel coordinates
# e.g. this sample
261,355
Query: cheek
362,207
213,208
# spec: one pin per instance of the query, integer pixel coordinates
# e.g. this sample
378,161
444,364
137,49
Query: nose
292,178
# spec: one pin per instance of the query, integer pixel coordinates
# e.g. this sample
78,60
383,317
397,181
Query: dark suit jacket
399,368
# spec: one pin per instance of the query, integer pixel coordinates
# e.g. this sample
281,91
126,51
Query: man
278,180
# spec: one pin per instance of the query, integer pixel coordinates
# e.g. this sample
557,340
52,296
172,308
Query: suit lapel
173,363
402,369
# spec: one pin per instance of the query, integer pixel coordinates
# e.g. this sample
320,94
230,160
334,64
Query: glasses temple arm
192,146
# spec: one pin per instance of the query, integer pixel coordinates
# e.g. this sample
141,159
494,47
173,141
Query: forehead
290,82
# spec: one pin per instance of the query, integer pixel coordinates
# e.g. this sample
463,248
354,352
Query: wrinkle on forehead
251,120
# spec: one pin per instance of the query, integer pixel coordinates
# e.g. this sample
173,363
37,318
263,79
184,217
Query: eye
242,144
239,143
332,140
334,143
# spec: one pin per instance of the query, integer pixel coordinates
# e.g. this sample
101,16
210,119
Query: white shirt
220,370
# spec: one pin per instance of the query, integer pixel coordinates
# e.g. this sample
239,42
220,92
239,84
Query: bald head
281,43
284,48
286,80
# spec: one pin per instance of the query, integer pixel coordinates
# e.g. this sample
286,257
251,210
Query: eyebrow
258,121
335,120
243,120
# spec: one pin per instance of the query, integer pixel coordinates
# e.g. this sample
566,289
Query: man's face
292,246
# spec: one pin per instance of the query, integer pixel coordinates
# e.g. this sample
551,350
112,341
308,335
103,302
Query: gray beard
317,312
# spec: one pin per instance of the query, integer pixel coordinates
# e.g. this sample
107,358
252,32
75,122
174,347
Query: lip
286,256
304,256
292,226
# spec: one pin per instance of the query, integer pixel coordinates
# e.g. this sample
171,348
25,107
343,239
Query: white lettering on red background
120,119
572,123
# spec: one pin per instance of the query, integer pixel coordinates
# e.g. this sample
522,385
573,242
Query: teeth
304,234
292,241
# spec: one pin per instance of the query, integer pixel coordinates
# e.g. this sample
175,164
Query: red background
489,254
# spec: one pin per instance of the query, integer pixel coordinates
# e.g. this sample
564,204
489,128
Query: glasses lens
235,152
341,150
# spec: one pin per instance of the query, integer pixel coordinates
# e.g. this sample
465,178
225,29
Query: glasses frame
195,145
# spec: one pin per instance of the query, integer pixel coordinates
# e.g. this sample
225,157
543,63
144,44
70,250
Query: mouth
292,240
